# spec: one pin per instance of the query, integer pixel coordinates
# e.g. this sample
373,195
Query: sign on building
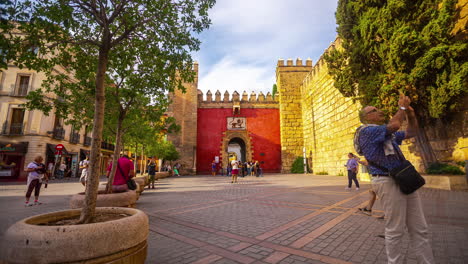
236,123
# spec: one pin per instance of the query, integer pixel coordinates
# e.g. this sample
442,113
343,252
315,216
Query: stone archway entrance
237,145
236,141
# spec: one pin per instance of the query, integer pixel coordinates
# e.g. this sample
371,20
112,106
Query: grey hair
362,115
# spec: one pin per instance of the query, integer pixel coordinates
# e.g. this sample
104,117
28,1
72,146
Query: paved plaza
274,219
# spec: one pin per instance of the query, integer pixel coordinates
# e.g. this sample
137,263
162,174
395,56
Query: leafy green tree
164,150
274,90
90,39
391,47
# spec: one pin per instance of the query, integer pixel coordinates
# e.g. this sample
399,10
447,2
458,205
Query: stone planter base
143,179
117,241
162,175
123,199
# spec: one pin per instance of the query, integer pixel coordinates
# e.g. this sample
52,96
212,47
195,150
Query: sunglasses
372,111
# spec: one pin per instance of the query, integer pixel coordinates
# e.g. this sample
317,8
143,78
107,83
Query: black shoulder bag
130,182
406,176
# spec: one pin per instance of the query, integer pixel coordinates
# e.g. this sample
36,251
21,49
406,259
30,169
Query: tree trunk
422,144
425,148
118,142
92,184
135,161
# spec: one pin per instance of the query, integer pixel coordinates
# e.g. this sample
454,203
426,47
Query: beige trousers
402,212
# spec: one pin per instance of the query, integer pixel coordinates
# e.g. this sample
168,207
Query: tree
164,150
101,36
391,47
274,90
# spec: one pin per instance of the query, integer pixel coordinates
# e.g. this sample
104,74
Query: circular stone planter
123,199
140,184
162,175
117,241
144,180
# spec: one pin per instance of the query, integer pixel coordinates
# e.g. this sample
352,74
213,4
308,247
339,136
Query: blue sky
247,37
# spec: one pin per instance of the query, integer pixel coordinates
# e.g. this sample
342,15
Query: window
22,85
17,117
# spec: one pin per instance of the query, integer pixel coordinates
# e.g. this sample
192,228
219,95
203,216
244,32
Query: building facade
26,134
308,116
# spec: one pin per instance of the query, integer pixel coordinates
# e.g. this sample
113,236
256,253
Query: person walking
235,171
151,173
84,164
213,168
379,143
352,167
61,170
37,172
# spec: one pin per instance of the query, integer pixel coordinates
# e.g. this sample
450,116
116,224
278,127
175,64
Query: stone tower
184,109
289,79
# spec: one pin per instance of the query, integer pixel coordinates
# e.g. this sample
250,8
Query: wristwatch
403,108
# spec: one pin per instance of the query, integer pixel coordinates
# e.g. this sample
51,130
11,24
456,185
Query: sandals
365,211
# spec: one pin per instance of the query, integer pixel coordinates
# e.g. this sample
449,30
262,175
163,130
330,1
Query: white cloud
229,75
240,50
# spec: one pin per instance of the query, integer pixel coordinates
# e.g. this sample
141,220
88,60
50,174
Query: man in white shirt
36,172
84,164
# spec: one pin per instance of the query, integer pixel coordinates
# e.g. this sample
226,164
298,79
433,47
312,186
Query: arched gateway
213,126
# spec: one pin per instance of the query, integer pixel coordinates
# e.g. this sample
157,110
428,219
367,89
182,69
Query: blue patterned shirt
371,141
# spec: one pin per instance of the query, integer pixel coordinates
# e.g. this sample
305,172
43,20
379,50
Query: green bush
442,168
340,173
298,166
461,163
322,173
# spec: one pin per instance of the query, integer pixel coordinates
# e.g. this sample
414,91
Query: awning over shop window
51,150
6,147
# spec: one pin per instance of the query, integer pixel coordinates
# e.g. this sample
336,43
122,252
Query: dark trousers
352,177
34,185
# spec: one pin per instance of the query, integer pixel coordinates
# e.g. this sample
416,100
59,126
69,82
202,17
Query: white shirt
62,167
33,175
84,163
234,164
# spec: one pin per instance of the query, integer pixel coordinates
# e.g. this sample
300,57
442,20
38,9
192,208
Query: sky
240,50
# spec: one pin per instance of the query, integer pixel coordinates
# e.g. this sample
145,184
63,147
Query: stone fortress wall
319,118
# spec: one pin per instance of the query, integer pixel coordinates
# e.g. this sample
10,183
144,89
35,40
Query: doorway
237,146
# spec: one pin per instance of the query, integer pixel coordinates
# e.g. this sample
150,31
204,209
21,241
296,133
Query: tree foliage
84,46
274,90
394,46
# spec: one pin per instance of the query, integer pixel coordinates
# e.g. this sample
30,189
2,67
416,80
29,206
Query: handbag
130,182
405,176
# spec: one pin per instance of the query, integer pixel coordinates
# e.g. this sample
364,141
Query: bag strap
121,171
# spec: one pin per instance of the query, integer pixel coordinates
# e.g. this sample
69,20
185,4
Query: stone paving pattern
275,219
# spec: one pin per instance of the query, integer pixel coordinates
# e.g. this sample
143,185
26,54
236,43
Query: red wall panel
263,128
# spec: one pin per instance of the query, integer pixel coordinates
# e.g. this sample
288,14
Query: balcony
14,129
87,141
108,146
19,90
74,138
59,133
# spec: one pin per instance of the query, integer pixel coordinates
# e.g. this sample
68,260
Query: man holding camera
379,143
36,171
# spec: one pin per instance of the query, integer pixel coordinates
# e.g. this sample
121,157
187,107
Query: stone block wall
184,110
330,121
289,78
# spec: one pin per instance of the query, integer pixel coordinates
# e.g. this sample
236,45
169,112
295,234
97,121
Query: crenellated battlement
252,100
299,63
321,63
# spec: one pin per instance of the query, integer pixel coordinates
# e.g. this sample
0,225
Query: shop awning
6,147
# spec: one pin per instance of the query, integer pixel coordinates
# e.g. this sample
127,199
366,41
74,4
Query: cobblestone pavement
274,219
